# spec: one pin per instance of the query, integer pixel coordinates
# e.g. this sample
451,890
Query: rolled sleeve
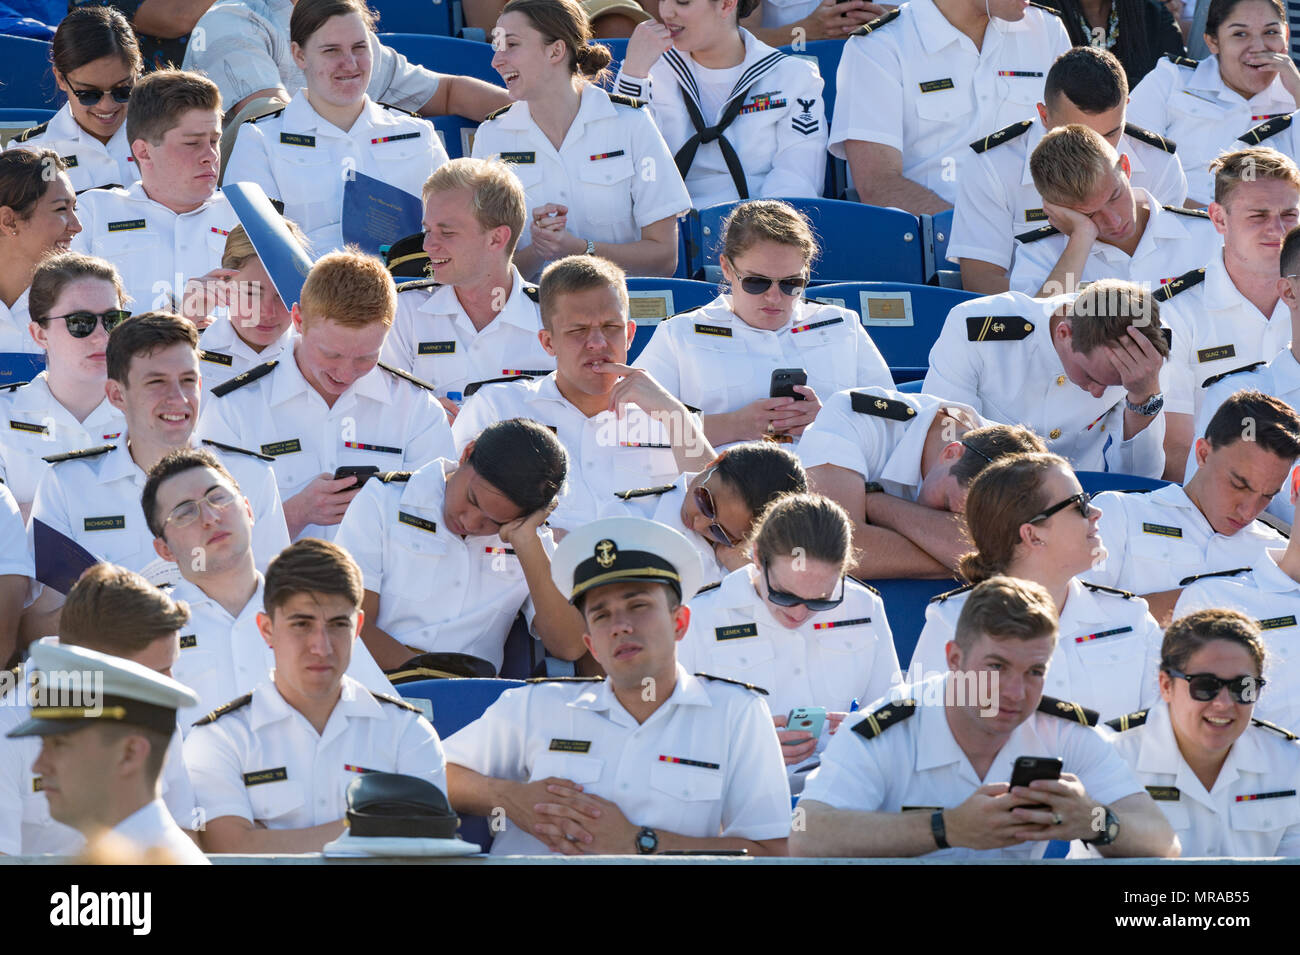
217,774
399,82
657,188
362,533
850,775
757,803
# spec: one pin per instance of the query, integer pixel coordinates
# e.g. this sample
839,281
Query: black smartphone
784,380
360,472
1029,768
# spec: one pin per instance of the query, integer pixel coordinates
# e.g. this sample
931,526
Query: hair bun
593,58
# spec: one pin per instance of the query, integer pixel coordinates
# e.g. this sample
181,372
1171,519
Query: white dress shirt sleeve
250,161
799,165
217,773
757,801
853,770
493,745
420,753
955,368
657,188
983,218
362,533
870,73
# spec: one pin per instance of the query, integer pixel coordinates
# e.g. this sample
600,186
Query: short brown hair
992,443
1249,165
496,194
159,100
239,247
1188,634
1105,309
566,20
1005,496
116,611
57,272
578,273
172,463
311,566
1006,608
806,523
310,15
1069,162
144,334
24,178
1274,423
767,220
350,288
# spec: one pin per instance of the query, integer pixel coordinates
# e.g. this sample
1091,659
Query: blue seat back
618,50
654,299
1094,482
446,54
941,229
905,602
435,17
28,76
456,133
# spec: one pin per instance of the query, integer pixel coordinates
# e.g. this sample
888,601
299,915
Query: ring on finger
1057,819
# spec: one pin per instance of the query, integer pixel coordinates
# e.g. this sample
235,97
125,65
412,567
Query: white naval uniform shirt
14,333
916,764
154,249
1216,329
264,762
304,160
613,171
705,764
380,419
1106,653
396,533
1192,106
15,558
95,500
435,340
1021,380
713,360
223,354
150,827
1172,243
33,425
223,657
606,454
665,507
91,164
918,84
1154,540
853,431
997,199
1278,133
780,134
1251,811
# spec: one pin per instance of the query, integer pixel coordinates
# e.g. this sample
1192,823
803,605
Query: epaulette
31,131
707,587
883,717
876,406
393,477
414,284
396,701
14,385
1128,721
1181,284
1215,379
474,386
398,109
1266,725
225,708
862,583
274,112
1264,130
1150,138
997,328
1217,573
234,450
1068,711
644,492
1098,588
940,598
532,292
406,376
626,100
723,679
1003,135
244,378
1046,9
869,28
566,679
1042,232
1181,211
497,112
1186,61
84,453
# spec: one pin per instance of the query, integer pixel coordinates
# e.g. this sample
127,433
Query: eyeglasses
82,324
92,96
704,501
816,604
758,284
218,499
1082,500
1206,686
970,447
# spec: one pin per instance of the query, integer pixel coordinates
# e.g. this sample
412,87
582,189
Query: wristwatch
1149,407
647,841
938,831
1109,833
591,250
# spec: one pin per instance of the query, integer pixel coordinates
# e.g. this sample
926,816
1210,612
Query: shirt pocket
1116,670
576,769
310,184
1259,816
607,189
1180,819
939,109
828,356
686,783
278,803
293,471
1022,90
137,255
716,373
747,659
412,566
642,467
1159,555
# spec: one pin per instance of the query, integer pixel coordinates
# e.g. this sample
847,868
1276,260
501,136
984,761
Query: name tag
832,624
600,156
298,139
1280,794
1164,793
276,775
69,161
736,631
1216,353
189,641
934,86
1104,633
688,762
418,522
570,745
217,358
277,448
718,330
381,448
393,139
126,225
1277,623
436,348
1035,215
519,159
1162,530
27,426
104,523
821,324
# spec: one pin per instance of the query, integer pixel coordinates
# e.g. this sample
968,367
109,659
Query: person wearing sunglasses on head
75,301
794,623
720,358
1225,779
96,60
1029,519
715,508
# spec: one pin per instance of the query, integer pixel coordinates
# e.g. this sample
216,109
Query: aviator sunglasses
704,501
758,284
82,324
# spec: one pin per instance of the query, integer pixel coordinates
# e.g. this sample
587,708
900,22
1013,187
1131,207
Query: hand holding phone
361,472
784,380
1029,768
807,719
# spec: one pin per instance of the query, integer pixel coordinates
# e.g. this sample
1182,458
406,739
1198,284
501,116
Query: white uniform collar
221,334
1221,294
600,698
290,383
36,396
1270,578
1159,753
593,104
135,193
196,596
1286,372
1035,135
270,707
903,465
1081,604
753,66
143,825
1173,495
63,125
1209,79
518,310
427,489
737,590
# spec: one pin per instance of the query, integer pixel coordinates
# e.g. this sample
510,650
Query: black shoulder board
883,717
626,100
385,698
881,407
1098,588
234,450
274,112
405,375
940,598
532,292
398,109
1218,573
1265,724
862,583
1181,284
566,679
474,386
1148,137
643,492
869,28
723,679
84,453
707,587
14,385
497,112
1068,711
1180,211
393,477
414,284
1128,721
244,377
27,134
1005,134
1186,61
1214,379
997,328
225,708
1264,130
1042,232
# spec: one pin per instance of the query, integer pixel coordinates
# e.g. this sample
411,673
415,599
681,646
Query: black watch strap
938,830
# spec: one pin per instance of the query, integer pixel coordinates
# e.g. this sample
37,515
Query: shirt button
797,671
1054,433
1060,379
624,786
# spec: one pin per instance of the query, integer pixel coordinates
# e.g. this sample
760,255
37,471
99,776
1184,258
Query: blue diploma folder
375,214
281,255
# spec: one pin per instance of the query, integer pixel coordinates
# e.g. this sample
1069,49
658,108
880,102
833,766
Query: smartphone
784,380
361,473
1029,768
807,719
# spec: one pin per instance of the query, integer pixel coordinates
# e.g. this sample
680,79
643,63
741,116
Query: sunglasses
1082,500
758,284
91,97
82,324
816,604
704,501
1206,686
218,499
974,450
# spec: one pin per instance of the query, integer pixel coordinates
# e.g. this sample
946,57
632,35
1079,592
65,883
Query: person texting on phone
927,770
721,358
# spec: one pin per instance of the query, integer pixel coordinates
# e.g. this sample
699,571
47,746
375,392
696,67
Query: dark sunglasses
974,450
1206,686
91,97
82,324
817,604
758,284
1081,499
704,501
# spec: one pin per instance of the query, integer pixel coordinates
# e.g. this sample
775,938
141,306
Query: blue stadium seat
618,49
940,231
457,134
903,320
654,299
14,121
905,602
1094,482
910,386
29,82
434,17
446,54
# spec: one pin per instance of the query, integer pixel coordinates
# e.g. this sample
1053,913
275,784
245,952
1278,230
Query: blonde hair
497,195
350,288
804,523
239,247
1248,165
1005,608
1069,162
767,220
578,273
